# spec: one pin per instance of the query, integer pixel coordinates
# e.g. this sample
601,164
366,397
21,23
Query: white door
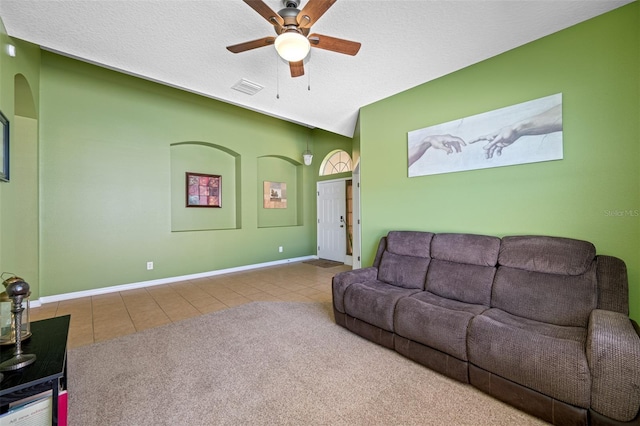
332,233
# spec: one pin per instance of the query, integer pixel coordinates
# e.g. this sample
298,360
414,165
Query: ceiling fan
292,27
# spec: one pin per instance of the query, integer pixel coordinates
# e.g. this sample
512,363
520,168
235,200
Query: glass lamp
307,156
292,46
7,324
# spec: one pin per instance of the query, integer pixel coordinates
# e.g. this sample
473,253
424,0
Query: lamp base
17,362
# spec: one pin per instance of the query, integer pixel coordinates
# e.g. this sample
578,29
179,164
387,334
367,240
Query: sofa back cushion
465,283
410,243
403,271
470,249
551,255
405,260
463,267
546,279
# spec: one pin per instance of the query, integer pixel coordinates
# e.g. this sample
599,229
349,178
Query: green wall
114,150
19,198
97,184
592,194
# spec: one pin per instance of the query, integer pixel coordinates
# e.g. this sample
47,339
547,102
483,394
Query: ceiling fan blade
334,44
266,12
297,68
312,11
253,44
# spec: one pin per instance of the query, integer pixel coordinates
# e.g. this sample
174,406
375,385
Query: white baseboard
133,286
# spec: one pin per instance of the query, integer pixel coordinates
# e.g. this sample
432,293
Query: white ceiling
182,43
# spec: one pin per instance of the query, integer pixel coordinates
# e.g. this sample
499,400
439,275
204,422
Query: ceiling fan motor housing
290,17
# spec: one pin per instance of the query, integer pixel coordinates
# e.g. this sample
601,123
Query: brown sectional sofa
538,322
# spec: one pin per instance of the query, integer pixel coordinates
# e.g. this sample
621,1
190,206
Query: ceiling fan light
292,46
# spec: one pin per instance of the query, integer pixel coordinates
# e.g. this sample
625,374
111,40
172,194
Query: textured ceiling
182,43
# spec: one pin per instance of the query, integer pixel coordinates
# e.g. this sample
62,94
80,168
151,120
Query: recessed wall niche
274,168
205,158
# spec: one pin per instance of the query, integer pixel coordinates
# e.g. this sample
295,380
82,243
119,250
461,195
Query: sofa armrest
613,353
613,284
343,280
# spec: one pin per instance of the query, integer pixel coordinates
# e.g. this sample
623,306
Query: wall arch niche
205,158
280,169
20,196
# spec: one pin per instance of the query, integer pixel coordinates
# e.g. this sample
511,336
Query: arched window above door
337,161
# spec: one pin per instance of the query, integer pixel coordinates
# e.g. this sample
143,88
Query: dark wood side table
48,342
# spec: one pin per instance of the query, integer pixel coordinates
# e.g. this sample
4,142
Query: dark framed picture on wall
4,151
203,190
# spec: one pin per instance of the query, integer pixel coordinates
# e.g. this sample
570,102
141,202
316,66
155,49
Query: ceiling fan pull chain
277,76
309,74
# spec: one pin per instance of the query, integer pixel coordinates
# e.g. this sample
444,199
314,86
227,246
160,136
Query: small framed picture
4,150
203,190
275,195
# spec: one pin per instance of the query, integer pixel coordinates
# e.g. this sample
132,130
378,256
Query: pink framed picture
203,190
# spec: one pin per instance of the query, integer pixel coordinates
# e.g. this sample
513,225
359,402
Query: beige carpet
265,363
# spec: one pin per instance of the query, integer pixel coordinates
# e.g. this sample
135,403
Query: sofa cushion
341,281
410,243
403,271
466,248
374,302
436,322
565,300
459,281
551,255
547,358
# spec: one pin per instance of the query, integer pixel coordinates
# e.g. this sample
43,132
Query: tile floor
98,318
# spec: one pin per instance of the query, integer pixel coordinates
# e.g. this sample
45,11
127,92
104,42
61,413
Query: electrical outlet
280,249
149,266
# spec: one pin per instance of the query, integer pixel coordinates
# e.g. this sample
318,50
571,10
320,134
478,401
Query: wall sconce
307,156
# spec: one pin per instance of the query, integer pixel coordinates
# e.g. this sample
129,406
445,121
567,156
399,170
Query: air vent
248,87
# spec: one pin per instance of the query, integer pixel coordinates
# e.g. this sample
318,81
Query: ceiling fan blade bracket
265,11
312,11
304,20
276,24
